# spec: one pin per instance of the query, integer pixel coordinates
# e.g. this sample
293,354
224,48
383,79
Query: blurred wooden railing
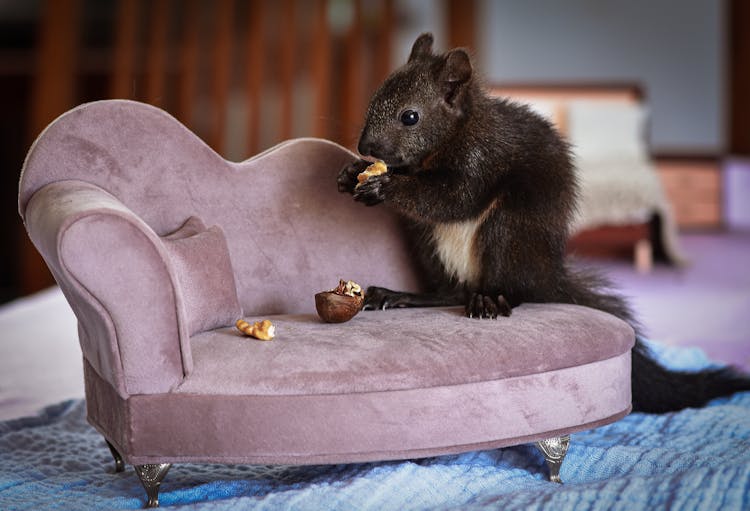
242,74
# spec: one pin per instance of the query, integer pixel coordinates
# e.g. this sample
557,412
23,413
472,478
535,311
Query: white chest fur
455,245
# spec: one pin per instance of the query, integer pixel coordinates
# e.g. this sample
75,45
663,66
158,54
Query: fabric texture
205,275
619,183
402,349
364,426
602,129
289,232
112,268
323,392
119,174
696,459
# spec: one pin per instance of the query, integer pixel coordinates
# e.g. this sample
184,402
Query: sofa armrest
117,277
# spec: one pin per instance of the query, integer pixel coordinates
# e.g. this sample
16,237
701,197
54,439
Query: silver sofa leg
119,462
151,477
554,450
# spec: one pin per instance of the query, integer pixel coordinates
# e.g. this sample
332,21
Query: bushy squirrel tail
659,390
655,388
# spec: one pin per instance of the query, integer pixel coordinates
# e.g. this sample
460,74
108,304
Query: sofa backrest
149,233
289,232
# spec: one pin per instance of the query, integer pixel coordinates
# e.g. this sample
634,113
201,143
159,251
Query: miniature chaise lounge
159,245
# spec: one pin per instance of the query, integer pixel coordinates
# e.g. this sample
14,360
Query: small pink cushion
204,274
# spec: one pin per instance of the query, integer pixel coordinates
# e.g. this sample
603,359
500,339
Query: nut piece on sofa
375,169
341,303
262,330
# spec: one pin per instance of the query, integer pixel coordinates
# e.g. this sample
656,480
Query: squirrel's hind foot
484,306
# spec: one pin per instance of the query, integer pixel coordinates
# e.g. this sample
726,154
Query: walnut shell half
338,306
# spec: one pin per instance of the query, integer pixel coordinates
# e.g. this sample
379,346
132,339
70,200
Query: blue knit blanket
695,459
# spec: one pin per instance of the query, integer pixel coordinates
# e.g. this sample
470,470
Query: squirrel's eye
409,118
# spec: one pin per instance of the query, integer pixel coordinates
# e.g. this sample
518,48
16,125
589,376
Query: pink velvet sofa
160,245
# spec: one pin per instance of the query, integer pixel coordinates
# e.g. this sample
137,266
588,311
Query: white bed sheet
40,358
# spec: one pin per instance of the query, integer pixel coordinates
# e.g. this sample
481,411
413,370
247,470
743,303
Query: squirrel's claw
347,178
371,192
484,306
377,298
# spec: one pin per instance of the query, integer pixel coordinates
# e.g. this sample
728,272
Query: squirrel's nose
368,146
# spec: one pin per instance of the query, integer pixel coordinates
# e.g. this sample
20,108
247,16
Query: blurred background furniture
243,75
623,207
318,63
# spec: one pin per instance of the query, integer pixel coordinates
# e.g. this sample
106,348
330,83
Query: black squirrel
487,189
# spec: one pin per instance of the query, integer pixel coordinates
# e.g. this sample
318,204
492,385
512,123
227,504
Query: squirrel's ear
456,71
457,68
422,46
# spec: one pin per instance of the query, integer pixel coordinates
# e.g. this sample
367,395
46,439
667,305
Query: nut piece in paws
347,178
372,191
377,168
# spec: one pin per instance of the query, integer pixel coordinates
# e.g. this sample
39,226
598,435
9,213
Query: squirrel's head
418,107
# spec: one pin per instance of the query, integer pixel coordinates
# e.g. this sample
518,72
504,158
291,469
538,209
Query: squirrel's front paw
372,191
377,298
347,178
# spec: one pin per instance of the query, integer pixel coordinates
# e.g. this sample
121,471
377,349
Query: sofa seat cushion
395,384
402,349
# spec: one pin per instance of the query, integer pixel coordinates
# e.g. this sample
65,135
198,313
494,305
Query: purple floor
705,304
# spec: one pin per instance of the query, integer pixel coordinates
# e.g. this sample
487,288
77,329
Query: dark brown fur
504,172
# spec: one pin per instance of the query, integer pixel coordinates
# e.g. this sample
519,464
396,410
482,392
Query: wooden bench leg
643,254
554,451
